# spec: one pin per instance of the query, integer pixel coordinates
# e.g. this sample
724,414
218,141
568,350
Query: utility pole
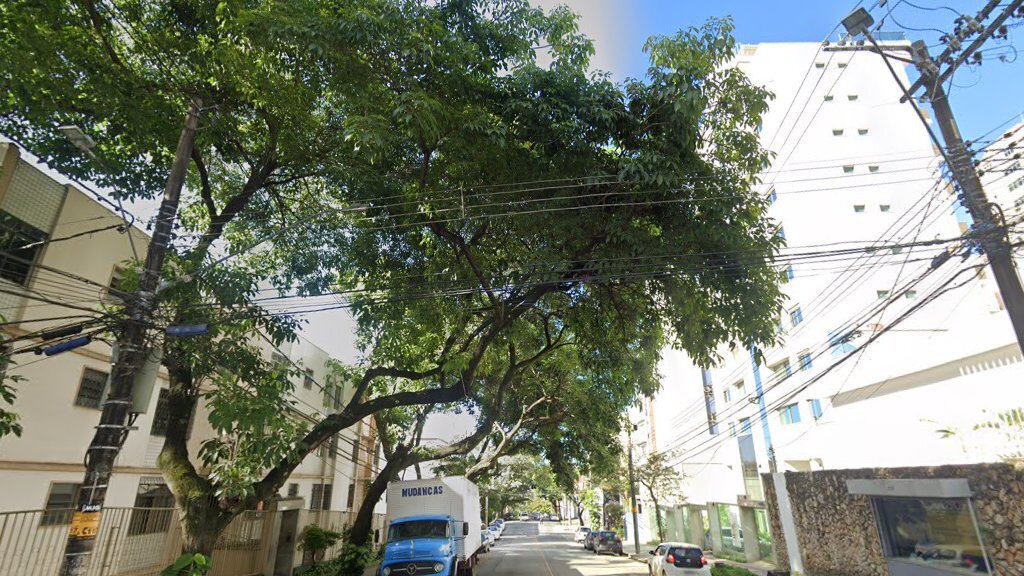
632,488
116,417
992,232
990,229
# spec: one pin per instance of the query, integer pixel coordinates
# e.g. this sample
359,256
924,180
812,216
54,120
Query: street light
858,22
79,139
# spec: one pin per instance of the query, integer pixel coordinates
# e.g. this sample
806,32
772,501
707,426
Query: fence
335,521
131,542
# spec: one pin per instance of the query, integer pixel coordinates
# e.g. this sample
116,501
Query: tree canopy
503,205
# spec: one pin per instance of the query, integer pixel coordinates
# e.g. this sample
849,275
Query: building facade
62,251
894,343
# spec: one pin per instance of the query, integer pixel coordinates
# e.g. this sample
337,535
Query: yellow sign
84,525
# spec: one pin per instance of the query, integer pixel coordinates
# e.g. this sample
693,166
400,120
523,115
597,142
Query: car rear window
686,553
606,534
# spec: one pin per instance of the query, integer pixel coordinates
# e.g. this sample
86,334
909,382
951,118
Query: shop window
936,533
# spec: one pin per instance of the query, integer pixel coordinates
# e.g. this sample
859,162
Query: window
332,448
790,414
744,425
60,503
280,361
862,131
351,500
837,131
19,248
316,499
815,408
882,294
161,416
858,208
884,208
848,169
873,168
293,490
91,388
840,343
1013,186
789,272
307,379
772,196
327,491
842,64
796,315
819,64
333,394
154,507
910,294
781,370
748,50
805,360
727,395
739,389
852,97
828,98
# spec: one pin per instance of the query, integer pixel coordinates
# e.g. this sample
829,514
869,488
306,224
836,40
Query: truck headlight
438,567
386,571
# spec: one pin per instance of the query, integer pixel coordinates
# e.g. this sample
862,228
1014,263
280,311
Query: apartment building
61,251
890,354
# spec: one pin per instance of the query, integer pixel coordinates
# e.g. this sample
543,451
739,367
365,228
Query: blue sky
982,98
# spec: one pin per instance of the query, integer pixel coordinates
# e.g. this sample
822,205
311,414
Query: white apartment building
59,396
853,168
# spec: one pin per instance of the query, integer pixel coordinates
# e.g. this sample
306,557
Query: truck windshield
418,529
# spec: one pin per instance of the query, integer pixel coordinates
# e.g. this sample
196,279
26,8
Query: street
547,549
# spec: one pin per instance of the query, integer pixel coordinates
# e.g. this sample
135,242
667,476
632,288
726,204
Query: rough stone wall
774,524
837,531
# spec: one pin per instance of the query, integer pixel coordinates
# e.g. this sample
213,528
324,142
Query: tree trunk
202,518
359,533
657,517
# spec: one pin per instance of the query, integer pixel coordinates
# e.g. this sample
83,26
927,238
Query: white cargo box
454,496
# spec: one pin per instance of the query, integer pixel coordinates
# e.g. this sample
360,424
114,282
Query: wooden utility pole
990,227
115,419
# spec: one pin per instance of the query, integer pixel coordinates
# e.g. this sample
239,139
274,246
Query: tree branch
205,189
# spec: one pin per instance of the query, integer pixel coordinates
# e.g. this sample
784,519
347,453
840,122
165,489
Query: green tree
504,200
662,483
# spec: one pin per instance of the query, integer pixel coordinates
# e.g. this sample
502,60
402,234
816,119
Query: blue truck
433,527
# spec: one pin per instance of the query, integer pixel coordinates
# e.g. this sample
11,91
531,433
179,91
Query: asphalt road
547,549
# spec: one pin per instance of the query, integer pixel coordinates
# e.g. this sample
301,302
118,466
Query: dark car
608,541
588,542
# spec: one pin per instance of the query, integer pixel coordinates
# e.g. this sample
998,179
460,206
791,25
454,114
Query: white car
581,534
524,517
486,540
495,531
678,558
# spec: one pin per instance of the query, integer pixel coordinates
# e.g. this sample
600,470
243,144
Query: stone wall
837,531
774,523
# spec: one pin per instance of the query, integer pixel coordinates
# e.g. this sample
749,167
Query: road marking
544,555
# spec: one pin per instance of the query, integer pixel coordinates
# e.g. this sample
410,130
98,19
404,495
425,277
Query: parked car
500,527
678,558
487,540
555,518
581,534
495,531
608,541
524,517
588,542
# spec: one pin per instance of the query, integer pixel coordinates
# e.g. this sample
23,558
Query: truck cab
423,545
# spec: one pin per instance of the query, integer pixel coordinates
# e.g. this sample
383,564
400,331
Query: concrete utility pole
993,236
632,488
992,233
115,419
